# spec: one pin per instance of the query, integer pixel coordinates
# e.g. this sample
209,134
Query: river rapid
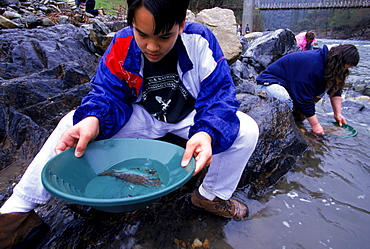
324,202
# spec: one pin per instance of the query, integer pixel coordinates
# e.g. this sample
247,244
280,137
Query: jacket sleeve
109,100
216,103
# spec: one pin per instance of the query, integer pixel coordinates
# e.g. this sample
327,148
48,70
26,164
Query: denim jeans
221,179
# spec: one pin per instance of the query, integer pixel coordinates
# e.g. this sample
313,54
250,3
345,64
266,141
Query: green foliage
304,24
111,6
299,20
349,18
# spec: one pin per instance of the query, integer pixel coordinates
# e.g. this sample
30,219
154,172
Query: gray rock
223,24
11,15
7,23
46,22
41,78
100,35
279,144
261,51
63,20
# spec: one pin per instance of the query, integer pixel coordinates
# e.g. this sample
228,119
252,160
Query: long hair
166,13
338,58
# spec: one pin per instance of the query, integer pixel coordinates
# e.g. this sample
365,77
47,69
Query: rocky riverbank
46,13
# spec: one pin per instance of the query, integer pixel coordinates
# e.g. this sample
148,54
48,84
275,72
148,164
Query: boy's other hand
79,135
199,146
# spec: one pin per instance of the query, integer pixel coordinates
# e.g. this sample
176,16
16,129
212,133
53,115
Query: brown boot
21,229
230,208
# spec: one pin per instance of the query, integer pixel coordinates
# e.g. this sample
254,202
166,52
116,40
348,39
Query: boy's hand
199,146
79,135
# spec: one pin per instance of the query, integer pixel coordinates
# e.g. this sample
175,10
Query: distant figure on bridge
247,30
300,79
306,40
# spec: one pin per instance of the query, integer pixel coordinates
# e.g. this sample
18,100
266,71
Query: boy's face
154,47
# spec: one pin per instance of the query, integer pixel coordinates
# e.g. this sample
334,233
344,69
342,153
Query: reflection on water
325,201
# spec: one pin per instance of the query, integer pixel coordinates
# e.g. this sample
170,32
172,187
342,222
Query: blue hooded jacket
202,68
302,75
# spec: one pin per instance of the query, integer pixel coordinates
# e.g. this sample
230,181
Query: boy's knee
248,127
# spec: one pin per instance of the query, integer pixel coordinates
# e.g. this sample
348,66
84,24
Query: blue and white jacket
202,68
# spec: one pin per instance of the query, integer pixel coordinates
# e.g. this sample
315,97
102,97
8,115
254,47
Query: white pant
221,179
277,91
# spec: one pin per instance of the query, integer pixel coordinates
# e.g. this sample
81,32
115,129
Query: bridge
249,6
299,4
333,4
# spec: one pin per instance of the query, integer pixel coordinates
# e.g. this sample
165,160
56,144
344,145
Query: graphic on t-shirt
165,98
163,112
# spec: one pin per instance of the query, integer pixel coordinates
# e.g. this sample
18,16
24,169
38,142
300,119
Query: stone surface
223,24
7,23
265,49
41,78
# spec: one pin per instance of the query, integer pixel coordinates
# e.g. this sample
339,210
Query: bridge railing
262,5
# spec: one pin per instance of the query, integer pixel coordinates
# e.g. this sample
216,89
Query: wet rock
278,147
41,79
265,49
100,35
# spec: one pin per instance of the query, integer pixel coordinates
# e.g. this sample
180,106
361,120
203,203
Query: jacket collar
134,60
184,61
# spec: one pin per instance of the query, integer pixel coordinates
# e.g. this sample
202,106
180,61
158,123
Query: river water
324,202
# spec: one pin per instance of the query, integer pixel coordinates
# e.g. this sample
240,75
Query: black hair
339,56
166,13
310,35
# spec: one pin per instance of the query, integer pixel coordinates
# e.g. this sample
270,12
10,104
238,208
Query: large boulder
223,24
43,74
279,145
265,49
